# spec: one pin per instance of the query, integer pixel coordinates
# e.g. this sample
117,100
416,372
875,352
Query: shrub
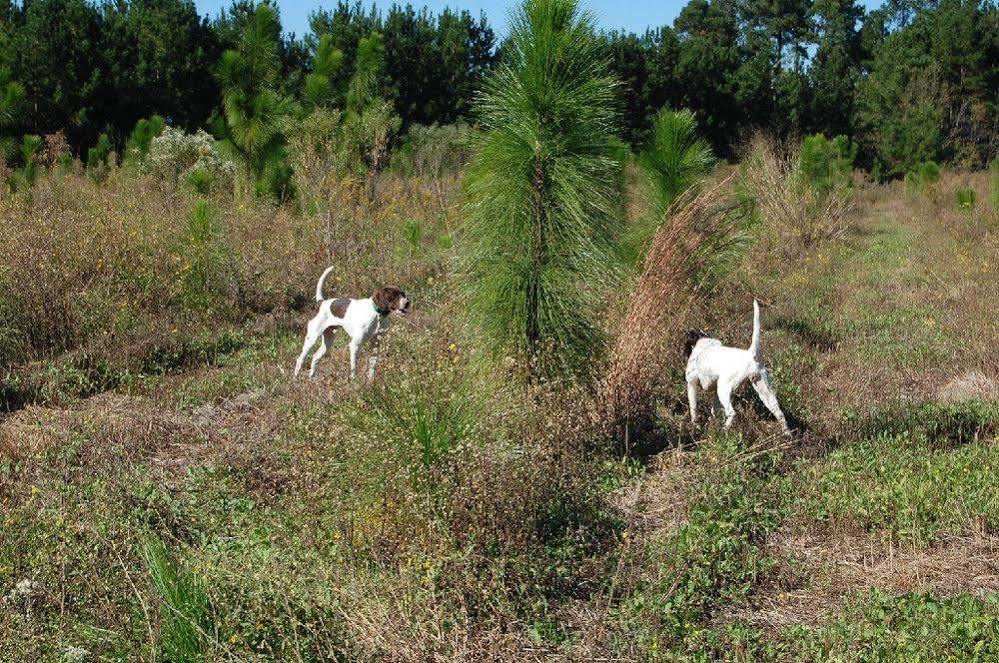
185,620
175,155
964,199
142,137
31,149
794,213
674,161
206,278
99,157
676,157
826,165
922,178
542,191
693,238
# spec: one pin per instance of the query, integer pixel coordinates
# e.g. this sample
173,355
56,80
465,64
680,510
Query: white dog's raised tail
319,284
754,345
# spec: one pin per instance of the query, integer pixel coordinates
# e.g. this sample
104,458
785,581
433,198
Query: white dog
362,319
709,363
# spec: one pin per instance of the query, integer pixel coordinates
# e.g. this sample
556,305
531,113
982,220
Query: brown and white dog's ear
382,299
391,298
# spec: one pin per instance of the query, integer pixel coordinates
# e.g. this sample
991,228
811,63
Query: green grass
923,475
714,560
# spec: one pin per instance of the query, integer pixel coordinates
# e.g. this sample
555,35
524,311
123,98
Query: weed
964,199
186,623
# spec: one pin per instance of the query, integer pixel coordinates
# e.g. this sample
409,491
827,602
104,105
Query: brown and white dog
711,364
362,319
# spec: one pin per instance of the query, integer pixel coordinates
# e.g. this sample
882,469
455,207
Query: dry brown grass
650,338
795,217
108,271
821,570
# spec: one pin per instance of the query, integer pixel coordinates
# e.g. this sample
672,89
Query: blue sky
631,15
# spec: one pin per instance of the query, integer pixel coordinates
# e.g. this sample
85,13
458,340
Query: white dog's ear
693,336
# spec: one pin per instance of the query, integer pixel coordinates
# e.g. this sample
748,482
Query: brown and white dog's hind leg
313,332
765,390
325,342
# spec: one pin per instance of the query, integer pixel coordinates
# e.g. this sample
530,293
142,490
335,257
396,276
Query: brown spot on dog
338,307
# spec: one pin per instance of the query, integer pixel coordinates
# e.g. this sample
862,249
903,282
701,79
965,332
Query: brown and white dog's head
391,299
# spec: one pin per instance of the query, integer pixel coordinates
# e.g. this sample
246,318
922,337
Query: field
169,492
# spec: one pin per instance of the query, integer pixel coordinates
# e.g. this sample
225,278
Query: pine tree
543,190
255,110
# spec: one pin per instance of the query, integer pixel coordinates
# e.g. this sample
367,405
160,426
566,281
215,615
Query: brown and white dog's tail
754,346
319,285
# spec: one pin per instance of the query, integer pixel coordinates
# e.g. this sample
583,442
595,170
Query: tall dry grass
698,229
795,214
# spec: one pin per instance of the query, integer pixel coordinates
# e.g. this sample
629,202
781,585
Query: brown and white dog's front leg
355,345
373,359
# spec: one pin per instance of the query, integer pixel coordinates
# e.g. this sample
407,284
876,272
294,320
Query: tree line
911,81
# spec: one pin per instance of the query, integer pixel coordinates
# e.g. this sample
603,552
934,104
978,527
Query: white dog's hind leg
765,390
327,340
725,396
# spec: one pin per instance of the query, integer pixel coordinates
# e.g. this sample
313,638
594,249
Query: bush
99,157
826,165
675,160
802,200
142,137
921,179
964,199
175,155
206,278
184,616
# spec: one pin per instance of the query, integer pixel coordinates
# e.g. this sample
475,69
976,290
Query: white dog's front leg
692,400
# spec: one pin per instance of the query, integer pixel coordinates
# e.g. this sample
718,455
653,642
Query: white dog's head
693,336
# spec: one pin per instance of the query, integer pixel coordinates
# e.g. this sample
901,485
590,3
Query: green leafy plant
31,146
826,164
674,161
676,158
254,109
12,101
542,192
205,275
99,156
320,83
142,137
